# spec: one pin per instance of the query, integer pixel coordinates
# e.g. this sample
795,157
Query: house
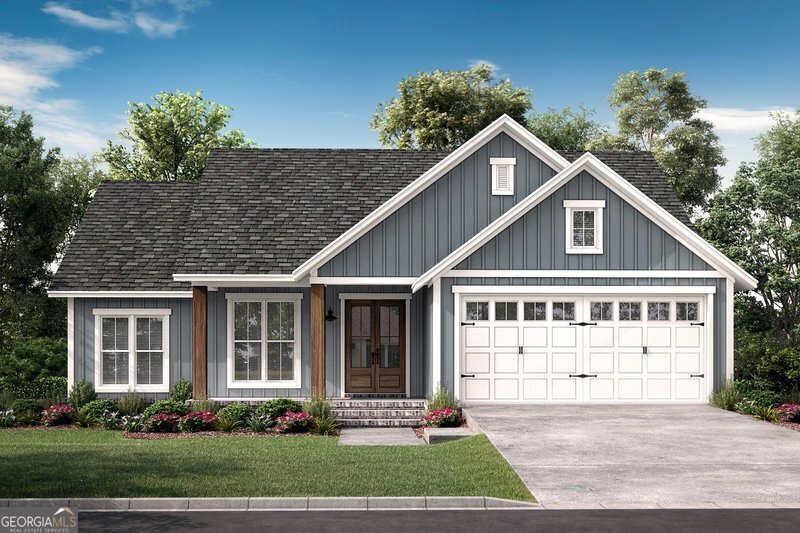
504,270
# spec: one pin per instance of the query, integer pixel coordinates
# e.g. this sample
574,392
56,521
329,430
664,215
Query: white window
503,175
584,226
132,350
264,340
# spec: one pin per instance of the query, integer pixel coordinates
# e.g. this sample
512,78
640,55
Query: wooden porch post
200,342
318,338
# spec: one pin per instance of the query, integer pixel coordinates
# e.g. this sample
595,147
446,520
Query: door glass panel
657,310
630,310
563,310
389,333
505,310
535,311
360,336
686,311
477,310
601,310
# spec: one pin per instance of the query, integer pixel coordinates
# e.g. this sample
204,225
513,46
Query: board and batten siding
448,313
442,217
180,336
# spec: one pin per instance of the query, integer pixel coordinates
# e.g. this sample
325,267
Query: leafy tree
656,111
782,141
566,129
171,138
440,110
30,359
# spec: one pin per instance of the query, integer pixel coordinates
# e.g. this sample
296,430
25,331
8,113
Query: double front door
375,346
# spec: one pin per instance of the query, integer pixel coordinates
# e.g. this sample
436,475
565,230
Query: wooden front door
375,346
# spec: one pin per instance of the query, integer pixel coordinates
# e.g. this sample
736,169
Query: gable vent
503,175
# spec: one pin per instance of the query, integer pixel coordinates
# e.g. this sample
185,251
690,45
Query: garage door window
630,311
657,310
686,311
602,310
535,311
563,310
477,310
505,310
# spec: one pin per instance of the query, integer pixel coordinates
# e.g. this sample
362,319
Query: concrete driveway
636,454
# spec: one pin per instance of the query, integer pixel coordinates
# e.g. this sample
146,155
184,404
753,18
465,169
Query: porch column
200,342
318,338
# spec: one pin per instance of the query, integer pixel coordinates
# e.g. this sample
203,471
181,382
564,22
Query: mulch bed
788,425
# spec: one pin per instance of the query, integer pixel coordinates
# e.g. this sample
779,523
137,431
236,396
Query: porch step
378,422
341,414
362,412
377,404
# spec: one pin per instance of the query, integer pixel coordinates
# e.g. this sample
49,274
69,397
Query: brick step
378,422
378,404
377,413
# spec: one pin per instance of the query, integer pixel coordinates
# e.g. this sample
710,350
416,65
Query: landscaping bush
198,421
181,391
82,393
442,399
293,422
326,426
727,397
28,418
203,405
318,406
132,423
58,415
23,405
226,424
240,412
131,404
166,407
33,358
780,369
6,398
84,419
96,408
789,412
278,407
109,420
260,423
442,418
162,423
7,418
52,389
757,392
765,412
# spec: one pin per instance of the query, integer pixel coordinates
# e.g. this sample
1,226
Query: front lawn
96,463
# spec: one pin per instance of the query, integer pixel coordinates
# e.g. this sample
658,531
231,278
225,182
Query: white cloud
64,13
475,62
154,27
343,114
740,120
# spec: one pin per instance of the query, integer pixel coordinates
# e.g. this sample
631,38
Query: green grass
102,464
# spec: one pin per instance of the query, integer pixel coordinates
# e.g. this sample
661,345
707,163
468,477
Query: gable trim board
504,124
119,294
583,274
624,189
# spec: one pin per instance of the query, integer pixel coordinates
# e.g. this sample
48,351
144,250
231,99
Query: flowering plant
790,412
293,422
198,421
442,418
58,414
162,423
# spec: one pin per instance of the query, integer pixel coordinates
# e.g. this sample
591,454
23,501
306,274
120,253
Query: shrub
203,405
326,426
7,418
162,423
293,422
28,418
780,369
96,408
58,415
727,397
442,399
766,413
166,407
24,405
6,398
260,423
789,412
442,418
181,391
757,392
31,358
278,407
198,421
109,420
131,404
226,424
236,411
52,389
132,423
318,406
84,420
82,393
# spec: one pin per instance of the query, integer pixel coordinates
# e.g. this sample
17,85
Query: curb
362,503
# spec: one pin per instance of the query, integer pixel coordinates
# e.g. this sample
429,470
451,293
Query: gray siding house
505,271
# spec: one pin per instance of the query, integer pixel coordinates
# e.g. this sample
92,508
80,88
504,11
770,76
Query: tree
170,139
782,141
566,129
440,110
655,111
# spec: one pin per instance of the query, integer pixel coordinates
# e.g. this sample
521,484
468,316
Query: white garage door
583,349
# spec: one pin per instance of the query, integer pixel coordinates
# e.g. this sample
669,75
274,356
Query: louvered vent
502,175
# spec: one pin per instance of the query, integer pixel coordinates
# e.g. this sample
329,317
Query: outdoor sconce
330,317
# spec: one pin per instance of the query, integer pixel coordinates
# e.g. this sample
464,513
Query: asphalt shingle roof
261,211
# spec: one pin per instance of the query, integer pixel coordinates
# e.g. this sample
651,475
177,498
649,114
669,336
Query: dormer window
503,175
584,226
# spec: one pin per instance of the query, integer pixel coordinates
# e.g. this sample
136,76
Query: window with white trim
584,226
503,175
264,340
132,350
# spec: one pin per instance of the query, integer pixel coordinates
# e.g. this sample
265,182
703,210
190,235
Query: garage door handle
697,323
583,323
468,323
583,375
697,375
467,375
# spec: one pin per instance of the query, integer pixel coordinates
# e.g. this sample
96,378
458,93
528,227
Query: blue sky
302,74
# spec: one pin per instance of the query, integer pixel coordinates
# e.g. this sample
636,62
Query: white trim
119,294
408,348
131,315
729,289
594,206
456,345
588,204
70,343
248,399
215,278
710,327
436,335
495,164
583,274
625,190
580,289
374,296
502,160
332,280
264,383
503,124
342,348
